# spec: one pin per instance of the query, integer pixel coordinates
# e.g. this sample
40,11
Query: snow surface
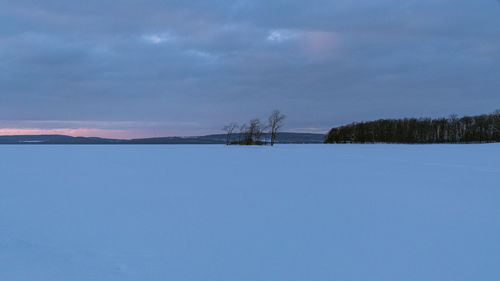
292,212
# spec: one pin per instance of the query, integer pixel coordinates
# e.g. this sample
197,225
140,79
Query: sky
149,68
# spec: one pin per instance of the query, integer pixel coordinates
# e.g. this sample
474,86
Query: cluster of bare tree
251,133
482,128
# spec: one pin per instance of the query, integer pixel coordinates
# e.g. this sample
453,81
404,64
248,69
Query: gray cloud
208,62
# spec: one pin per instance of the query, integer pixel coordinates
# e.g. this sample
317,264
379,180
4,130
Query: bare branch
229,129
275,124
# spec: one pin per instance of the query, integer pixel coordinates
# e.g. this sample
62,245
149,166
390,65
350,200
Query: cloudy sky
163,67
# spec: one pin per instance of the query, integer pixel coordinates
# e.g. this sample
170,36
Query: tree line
482,128
251,133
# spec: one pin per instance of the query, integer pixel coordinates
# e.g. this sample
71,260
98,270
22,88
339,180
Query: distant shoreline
284,138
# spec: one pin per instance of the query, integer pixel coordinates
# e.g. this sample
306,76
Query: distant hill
468,129
53,139
287,138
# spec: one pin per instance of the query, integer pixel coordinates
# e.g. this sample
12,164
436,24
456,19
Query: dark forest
468,129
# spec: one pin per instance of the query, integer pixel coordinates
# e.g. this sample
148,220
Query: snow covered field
292,212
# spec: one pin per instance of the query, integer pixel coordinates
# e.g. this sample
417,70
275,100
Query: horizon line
138,138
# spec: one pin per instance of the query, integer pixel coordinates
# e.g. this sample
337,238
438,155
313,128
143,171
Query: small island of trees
251,133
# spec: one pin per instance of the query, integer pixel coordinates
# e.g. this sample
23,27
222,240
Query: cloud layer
204,63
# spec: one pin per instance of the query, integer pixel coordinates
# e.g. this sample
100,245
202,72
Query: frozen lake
292,212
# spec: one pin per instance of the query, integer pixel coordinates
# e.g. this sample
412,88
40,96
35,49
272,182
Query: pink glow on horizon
80,132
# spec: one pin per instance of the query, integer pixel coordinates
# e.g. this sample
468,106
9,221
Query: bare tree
255,131
453,128
229,129
275,124
250,134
